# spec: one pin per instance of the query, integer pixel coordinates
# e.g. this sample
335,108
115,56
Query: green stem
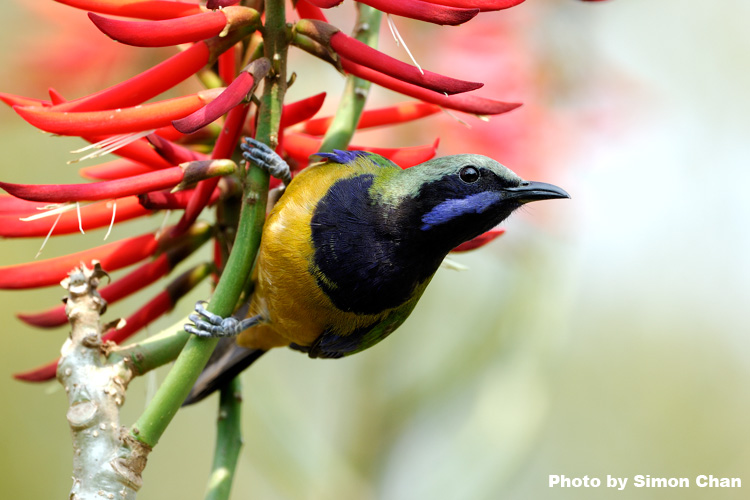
228,441
340,133
155,351
275,44
176,386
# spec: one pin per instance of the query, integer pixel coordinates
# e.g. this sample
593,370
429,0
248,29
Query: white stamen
80,222
108,145
50,210
397,36
112,222
459,120
163,224
48,235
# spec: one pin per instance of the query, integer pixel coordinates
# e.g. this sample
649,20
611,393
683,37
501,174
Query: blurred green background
605,335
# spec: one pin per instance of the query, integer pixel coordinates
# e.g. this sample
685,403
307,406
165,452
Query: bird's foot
266,158
207,324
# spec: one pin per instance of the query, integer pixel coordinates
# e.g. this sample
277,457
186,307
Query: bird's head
452,199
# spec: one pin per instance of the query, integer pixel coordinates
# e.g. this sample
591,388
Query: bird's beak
534,191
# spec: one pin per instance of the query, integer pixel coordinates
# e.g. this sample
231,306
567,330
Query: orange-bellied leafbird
350,247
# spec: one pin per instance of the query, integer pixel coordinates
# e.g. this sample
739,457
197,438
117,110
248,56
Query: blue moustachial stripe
450,209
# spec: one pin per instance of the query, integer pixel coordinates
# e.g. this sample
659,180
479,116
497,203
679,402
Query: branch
96,390
176,386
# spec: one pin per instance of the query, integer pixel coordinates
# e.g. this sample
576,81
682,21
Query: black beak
534,191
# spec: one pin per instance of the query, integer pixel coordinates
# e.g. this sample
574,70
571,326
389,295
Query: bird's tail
226,362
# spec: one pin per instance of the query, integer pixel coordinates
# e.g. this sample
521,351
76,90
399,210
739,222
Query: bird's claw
266,158
207,324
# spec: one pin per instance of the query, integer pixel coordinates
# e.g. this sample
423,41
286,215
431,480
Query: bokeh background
604,335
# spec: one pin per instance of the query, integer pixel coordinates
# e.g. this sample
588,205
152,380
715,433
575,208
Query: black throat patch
362,264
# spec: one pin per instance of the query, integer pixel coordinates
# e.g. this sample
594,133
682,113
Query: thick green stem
228,441
229,435
275,44
340,133
176,386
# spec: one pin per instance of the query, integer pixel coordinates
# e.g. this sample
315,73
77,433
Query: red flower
200,132
175,31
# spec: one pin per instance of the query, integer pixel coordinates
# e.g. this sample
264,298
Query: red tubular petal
162,33
325,4
301,146
146,85
479,241
307,10
400,113
228,65
141,9
17,100
164,200
172,152
116,121
224,147
92,217
105,190
233,95
301,110
362,53
50,272
467,103
115,169
169,133
55,96
424,11
482,5
181,176
229,98
41,374
218,4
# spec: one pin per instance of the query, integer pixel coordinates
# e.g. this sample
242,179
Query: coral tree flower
174,151
176,31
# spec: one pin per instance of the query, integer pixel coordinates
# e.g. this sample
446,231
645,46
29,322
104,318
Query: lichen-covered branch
107,463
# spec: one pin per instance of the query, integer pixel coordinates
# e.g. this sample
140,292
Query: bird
349,248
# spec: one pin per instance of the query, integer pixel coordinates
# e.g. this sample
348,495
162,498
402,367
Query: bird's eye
469,174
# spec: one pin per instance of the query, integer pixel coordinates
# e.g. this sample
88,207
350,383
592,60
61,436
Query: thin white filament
397,36
459,120
50,210
48,235
80,221
163,224
109,145
112,222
